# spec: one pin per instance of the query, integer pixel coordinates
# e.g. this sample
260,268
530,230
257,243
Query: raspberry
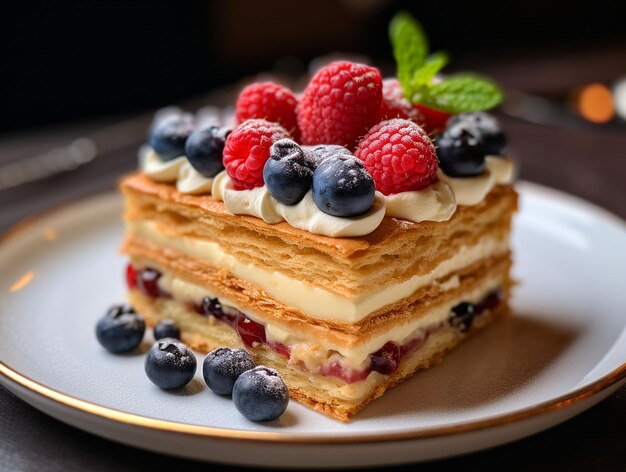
340,104
271,102
246,150
434,120
399,156
395,105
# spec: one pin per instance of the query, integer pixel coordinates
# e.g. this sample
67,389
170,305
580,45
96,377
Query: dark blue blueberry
166,329
204,150
121,329
168,136
461,151
321,152
260,394
494,138
223,366
463,316
288,172
170,364
342,186
212,306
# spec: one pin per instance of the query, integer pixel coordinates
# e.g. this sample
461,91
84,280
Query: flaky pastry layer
251,300
396,251
325,394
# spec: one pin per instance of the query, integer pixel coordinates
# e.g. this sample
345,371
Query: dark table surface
585,160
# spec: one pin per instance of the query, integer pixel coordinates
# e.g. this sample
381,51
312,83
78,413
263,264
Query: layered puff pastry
341,319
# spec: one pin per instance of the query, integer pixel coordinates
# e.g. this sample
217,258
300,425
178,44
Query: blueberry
495,141
288,172
168,136
463,316
260,394
461,151
170,364
121,329
166,329
204,150
321,152
223,366
342,186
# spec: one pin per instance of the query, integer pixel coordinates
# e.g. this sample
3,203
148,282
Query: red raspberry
399,155
395,105
434,120
246,150
340,104
271,102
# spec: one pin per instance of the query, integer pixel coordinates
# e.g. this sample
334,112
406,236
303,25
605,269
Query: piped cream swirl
179,170
471,191
303,215
434,203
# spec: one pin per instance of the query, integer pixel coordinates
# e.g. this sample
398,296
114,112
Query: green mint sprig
416,70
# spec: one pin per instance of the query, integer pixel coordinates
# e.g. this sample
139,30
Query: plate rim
145,422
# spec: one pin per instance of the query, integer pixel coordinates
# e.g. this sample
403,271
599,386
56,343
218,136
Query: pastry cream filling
303,215
355,356
471,191
315,301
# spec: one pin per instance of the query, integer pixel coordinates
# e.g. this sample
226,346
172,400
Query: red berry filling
385,361
131,277
250,331
144,280
147,282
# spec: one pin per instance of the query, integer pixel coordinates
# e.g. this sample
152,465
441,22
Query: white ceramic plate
562,351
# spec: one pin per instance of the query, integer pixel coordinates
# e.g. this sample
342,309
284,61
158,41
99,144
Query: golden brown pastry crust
252,300
395,251
327,395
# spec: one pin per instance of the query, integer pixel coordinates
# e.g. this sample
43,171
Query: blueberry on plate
342,186
121,329
288,172
204,150
168,136
493,137
166,329
223,366
461,151
170,364
260,394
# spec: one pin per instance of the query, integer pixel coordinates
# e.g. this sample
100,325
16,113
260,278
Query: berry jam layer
383,354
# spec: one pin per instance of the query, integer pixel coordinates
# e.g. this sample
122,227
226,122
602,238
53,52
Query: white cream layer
434,203
355,356
314,301
303,215
188,180
471,191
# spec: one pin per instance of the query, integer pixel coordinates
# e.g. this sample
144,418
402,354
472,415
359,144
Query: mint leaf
432,65
462,93
410,47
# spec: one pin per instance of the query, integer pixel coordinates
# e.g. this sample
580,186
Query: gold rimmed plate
562,350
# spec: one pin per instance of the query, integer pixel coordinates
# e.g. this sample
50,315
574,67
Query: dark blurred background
69,60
